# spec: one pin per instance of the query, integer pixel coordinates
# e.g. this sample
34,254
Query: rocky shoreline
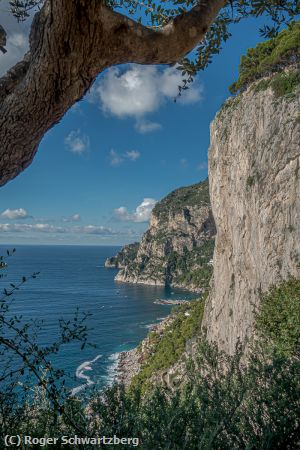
128,366
171,302
150,282
130,362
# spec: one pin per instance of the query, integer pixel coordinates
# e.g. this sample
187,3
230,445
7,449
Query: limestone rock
177,248
254,173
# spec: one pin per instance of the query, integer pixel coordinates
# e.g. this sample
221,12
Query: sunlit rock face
170,249
254,173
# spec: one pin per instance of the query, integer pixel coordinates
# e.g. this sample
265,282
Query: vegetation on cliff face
226,405
125,256
194,195
191,269
279,318
165,349
282,84
269,56
277,324
196,265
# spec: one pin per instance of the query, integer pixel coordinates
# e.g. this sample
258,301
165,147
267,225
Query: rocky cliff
254,173
177,248
124,257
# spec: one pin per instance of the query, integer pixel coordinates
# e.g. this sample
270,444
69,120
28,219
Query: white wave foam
87,365
112,370
149,326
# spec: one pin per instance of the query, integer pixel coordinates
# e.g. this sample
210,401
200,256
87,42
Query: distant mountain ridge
177,248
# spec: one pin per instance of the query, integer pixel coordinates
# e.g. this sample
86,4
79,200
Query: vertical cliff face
254,173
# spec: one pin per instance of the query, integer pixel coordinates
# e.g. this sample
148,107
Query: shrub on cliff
225,405
279,318
268,57
178,200
242,407
167,348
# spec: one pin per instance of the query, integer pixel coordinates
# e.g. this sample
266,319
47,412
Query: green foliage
167,347
222,403
279,317
194,195
269,57
285,83
226,406
193,266
125,256
199,277
190,269
262,85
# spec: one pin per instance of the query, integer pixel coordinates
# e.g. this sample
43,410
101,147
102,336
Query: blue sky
127,144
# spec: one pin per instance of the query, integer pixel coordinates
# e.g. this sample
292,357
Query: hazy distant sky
127,144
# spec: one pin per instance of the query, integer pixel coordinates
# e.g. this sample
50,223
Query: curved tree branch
2,39
71,42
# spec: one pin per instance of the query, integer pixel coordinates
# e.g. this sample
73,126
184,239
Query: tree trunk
71,42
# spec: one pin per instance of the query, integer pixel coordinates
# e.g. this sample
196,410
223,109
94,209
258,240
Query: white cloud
13,214
17,46
94,229
140,90
146,126
131,93
116,159
24,227
122,213
76,142
133,155
142,212
73,218
48,228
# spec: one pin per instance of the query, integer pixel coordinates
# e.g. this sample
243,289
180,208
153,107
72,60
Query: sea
70,277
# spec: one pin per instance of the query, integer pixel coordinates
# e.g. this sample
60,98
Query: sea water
75,277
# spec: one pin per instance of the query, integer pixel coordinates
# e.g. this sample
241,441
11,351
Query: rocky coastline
130,362
150,282
128,366
160,301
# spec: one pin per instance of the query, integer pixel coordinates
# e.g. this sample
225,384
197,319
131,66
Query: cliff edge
254,173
